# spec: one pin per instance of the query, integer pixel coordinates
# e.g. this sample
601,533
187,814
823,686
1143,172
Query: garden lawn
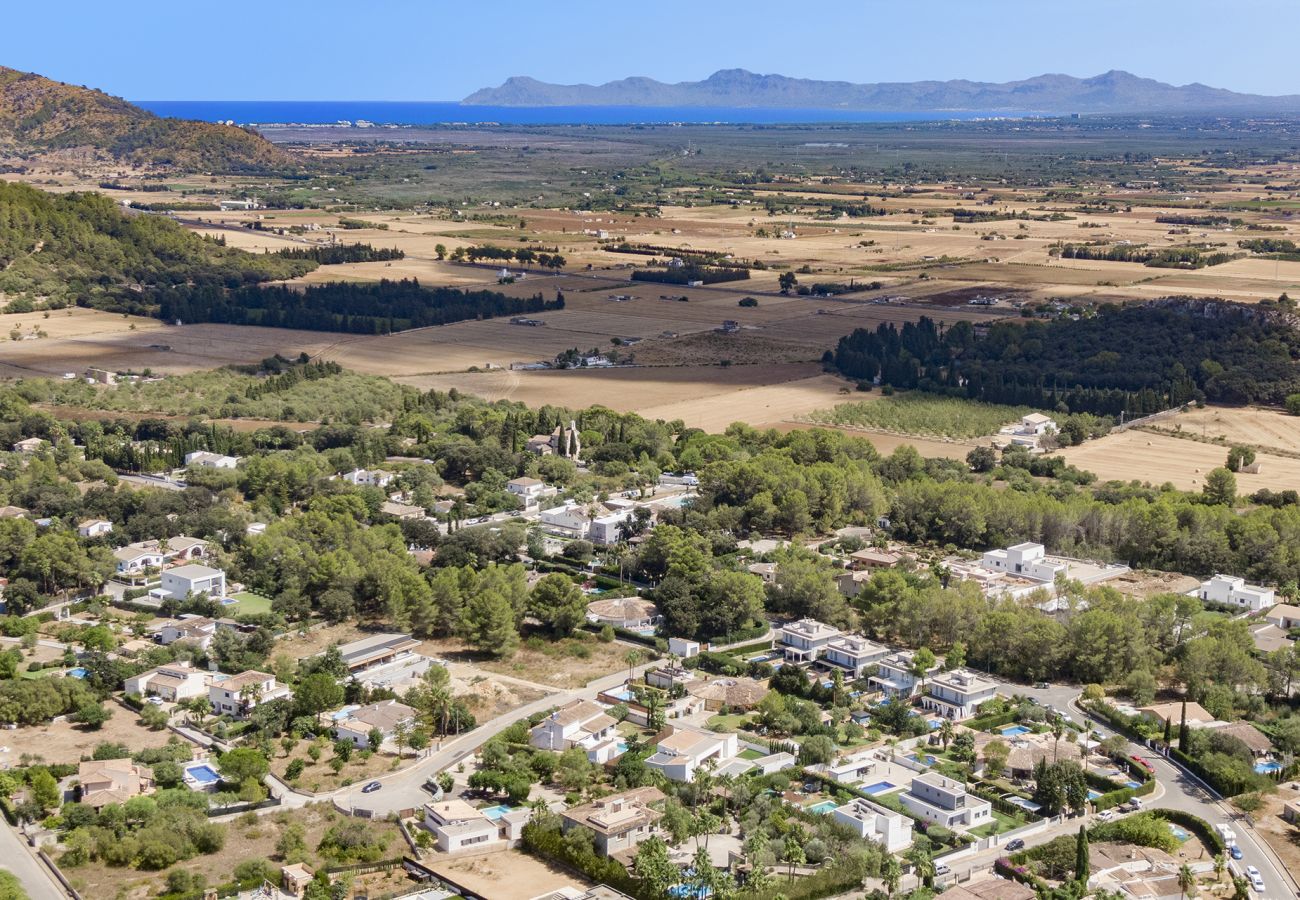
1001,823
250,604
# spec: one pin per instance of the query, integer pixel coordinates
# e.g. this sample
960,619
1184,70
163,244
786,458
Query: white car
154,701
1256,880
1106,815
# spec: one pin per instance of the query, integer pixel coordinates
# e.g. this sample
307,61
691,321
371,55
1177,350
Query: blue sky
436,50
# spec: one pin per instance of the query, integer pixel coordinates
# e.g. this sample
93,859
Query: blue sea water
382,112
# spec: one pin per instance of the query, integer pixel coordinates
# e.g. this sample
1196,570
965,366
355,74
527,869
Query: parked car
941,869
1234,851
1106,815
371,787
1041,685
1256,879
433,788
1017,844
154,701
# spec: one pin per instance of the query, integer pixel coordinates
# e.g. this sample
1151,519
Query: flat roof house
1028,560
958,694
239,694
369,477
1233,591
944,801
894,675
172,682
619,821
211,460
803,641
876,823
192,579
376,650
456,825
386,717
854,653
683,751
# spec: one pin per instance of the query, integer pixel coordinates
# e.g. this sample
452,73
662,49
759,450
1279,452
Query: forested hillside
38,114
1135,359
65,249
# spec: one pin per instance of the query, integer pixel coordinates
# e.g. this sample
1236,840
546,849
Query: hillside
83,249
38,114
1112,92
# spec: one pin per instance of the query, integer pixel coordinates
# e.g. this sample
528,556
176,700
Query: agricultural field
922,414
1264,429
1142,456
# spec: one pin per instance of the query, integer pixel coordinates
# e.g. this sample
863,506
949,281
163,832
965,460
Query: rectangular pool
1268,768
621,694
496,812
879,787
1014,731
203,774
824,808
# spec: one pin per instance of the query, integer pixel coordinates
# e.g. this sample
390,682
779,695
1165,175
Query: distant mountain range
1114,92
38,115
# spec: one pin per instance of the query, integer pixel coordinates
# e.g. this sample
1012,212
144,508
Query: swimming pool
343,713
622,746
879,787
694,892
824,808
228,601
1268,768
203,774
1179,834
496,812
1133,784
1014,731
78,672
925,760
1093,795
621,694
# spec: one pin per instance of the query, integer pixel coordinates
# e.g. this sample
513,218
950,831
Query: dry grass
61,742
1256,427
1156,458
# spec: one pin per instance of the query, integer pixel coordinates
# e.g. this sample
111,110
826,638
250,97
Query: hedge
1123,795
1194,766
1195,824
549,844
997,720
1126,725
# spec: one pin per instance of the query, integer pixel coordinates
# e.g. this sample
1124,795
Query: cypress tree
1182,730
1081,866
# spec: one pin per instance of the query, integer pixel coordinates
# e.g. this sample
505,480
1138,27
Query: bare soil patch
505,875
1157,458
61,742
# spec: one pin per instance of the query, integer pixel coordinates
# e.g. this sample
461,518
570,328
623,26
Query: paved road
1183,791
18,858
403,790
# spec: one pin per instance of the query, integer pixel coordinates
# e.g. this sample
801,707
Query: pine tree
488,623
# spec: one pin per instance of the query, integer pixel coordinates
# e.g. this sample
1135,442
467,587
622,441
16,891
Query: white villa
945,802
155,554
1233,591
877,823
686,749
93,528
191,580
580,723
211,460
458,826
529,491
958,694
237,695
804,641
1028,431
369,477
172,682
1028,560
195,629
854,653
895,678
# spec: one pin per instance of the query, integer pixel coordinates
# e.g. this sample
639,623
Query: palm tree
1186,882
1220,863
631,657
945,733
892,873
1058,729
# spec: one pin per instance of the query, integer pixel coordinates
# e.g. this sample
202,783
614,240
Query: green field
250,604
923,415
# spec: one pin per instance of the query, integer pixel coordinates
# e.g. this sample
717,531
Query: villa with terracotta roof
685,749
580,723
172,682
619,821
239,694
105,781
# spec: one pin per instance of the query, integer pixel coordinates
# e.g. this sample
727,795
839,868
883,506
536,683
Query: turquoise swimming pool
1268,768
879,787
1015,731
496,812
824,808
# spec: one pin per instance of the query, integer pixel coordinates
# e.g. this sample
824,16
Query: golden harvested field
1157,458
1251,425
